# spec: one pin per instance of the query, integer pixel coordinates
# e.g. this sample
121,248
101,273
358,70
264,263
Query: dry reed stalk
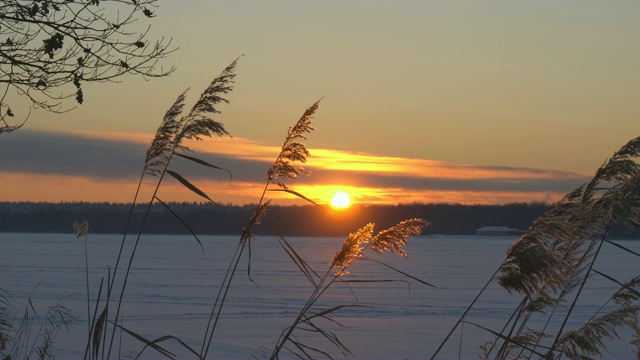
556,257
170,137
198,123
392,240
291,151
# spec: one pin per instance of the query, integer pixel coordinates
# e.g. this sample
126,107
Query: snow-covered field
173,285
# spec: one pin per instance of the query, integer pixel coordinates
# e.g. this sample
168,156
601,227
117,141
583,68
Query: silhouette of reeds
166,146
30,335
353,248
552,263
170,143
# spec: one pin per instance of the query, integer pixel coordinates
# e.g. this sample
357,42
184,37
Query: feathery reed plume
621,167
397,237
352,247
293,150
392,239
555,258
628,292
170,137
254,220
590,338
162,144
173,131
546,257
81,229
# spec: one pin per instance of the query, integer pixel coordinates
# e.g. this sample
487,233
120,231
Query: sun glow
340,200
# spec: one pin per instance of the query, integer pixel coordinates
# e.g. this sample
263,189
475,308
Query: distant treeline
107,218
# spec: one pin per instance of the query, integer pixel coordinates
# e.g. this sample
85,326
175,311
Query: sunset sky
424,101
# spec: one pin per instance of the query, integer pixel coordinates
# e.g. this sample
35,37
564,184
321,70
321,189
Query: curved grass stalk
169,138
535,265
582,284
466,311
130,264
291,151
82,230
228,278
391,240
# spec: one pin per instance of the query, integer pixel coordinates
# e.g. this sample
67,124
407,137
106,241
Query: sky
473,102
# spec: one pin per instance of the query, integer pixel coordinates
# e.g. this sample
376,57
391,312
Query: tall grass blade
189,185
332,337
165,338
93,319
296,194
506,339
148,343
623,285
304,348
295,257
291,151
399,271
166,206
466,311
331,310
202,162
622,247
97,332
579,292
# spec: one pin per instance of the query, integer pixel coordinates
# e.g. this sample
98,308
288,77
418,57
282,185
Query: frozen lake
173,285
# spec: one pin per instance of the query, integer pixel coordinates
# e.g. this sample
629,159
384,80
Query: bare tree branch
50,48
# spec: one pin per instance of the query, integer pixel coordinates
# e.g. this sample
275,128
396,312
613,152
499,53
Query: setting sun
340,200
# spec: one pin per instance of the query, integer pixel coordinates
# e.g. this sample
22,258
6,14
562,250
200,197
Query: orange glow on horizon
38,188
345,168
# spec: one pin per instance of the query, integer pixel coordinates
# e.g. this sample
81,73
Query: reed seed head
590,338
352,247
254,220
81,229
293,150
395,238
174,130
162,143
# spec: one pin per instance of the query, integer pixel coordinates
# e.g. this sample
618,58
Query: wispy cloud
99,161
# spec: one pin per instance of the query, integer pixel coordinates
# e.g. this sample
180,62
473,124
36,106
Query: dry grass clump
551,264
169,144
30,336
392,240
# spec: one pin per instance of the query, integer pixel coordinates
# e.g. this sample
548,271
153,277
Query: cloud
114,157
47,153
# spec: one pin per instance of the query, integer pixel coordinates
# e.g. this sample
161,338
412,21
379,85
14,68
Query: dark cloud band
47,153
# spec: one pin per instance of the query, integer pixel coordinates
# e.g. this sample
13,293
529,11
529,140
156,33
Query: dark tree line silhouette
307,220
